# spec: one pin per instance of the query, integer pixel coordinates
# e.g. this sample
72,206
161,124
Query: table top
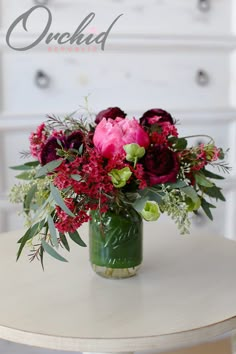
185,293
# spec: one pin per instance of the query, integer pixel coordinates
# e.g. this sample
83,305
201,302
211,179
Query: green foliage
51,251
59,200
48,168
30,233
77,239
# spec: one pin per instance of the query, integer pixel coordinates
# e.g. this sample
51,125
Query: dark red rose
160,165
49,151
111,112
155,115
74,140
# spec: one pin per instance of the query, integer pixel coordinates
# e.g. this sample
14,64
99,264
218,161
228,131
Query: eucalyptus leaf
27,175
76,178
49,167
139,204
29,197
206,207
41,254
202,180
212,175
77,239
59,200
191,193
51,251
178,184
214,192
64,242
53,231
26,166
30,233
81,148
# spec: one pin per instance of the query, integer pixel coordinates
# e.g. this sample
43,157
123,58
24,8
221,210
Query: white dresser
174,54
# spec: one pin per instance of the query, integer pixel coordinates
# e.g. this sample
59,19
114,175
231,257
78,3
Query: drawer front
197,17
136,80
14,142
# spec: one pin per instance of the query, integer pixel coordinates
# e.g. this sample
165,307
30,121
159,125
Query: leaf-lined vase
115,242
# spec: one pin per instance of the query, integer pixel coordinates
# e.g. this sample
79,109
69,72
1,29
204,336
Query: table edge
163,342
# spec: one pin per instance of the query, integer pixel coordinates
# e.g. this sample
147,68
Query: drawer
13,142
162,17
57,82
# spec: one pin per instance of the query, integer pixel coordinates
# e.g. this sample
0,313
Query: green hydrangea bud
134,152
151,211
193,205
119,178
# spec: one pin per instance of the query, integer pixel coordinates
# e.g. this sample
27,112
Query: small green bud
134,152
192,206
151,211
119,178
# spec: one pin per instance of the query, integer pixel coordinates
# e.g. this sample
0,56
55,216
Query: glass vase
115,242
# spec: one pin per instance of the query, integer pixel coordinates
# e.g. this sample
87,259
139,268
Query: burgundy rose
111,112
74,140
155,116
161,165
49,151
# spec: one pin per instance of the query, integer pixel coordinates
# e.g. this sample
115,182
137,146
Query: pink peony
111,135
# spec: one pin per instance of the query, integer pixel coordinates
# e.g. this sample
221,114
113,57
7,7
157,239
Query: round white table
184,294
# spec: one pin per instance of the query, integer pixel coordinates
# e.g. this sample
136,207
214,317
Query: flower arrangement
85,164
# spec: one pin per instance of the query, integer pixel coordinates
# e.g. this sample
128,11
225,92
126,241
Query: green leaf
76,238
178,184
25,176
81,148
30,233
76,177
214,192
202,180
59,200
47,248
206,207
29,197
180,144
64,242
210,174
53,231
151,194
41,254
26,166
191,193
49,167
